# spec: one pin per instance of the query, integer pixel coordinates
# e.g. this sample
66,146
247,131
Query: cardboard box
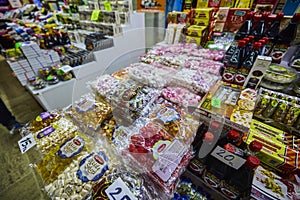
235,19
197,31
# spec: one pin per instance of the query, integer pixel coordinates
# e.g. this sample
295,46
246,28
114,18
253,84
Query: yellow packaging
202,4
274,153
243,3
227,3
202,13
192,39
197,31
200,21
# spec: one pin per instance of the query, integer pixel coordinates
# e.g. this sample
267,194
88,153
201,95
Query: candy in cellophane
85,171
193,80
153,150
60,157
54,134
104,86
205,65
150,75
43,120
181,96
89,112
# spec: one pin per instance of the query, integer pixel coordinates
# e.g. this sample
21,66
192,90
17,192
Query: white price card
66,68
119,191
228,158
26,143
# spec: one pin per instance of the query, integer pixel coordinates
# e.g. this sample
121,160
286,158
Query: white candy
76,197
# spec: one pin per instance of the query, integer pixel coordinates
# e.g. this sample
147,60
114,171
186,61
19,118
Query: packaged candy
205,65
43,120
150,75
193,80
104,86
90,112
60,157
54,134
108,127
181,96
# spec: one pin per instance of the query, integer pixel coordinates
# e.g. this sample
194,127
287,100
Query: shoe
15,128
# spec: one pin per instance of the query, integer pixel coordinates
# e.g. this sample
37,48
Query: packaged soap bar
60,157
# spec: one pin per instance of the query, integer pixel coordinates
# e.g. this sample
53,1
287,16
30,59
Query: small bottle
232,136
238,55
241,179
246,27
247,49
253,148
269,111
289,32
259,29
247,64
251,41
273,30
263,47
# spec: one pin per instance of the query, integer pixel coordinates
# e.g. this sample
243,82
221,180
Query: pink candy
181,96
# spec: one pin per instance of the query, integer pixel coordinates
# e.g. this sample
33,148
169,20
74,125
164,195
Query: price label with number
95,15
215,102
107,6
119,191
228,158
26,143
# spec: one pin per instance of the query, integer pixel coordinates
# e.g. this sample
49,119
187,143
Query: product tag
66,68
93,167
107,6
168,161
228,158
215,102
119,190
95,15
71,148
42,116
26,143
45,132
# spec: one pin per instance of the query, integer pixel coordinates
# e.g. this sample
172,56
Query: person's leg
6,118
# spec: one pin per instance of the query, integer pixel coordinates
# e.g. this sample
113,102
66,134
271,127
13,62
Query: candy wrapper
207,54
152,76
193,80
60,157
108,127
181,96
104,86
205,65
175,120
43,120
54,135
174,61
90,112
127,179
78,179
130,98
153,150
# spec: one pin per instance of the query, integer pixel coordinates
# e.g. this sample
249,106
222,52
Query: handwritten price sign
26,143
119,191
228,158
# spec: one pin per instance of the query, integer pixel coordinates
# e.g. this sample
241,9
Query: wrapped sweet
90,112
150,75
205,65
43,120
54,135
60,157
193,80
104,86
181,96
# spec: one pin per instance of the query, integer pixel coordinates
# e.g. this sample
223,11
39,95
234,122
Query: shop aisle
18,180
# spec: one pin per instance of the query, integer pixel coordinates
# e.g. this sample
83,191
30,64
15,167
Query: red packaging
235,19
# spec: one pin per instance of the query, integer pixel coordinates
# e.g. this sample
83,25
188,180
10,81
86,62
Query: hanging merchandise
150,6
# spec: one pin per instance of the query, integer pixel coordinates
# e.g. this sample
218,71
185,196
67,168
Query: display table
126,50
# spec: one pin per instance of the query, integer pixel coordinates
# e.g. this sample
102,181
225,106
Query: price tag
95,15
228,158
119,191
66,68
26,143
215,102
107,6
